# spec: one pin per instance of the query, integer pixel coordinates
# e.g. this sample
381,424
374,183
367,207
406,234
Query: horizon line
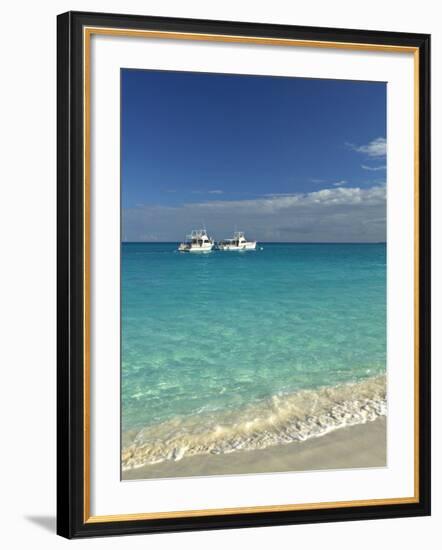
267,242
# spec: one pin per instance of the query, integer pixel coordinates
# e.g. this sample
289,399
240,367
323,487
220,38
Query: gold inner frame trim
416,274
87,34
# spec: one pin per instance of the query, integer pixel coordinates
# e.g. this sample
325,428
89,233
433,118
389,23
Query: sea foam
281,419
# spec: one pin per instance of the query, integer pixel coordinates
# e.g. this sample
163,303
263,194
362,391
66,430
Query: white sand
360,446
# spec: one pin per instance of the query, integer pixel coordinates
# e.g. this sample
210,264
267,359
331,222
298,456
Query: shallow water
209,341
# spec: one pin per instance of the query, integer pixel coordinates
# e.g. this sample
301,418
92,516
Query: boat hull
196,249
201,250
245,246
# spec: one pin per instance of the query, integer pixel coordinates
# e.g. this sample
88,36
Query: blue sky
284,159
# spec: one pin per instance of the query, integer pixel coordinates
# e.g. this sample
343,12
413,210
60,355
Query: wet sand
360,446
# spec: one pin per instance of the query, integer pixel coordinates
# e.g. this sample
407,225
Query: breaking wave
281,419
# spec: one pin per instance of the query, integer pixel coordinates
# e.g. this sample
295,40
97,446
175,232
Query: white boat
237,242
197,241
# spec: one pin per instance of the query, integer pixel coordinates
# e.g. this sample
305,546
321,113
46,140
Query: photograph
253,274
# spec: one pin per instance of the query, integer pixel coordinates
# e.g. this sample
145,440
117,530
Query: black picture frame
72,520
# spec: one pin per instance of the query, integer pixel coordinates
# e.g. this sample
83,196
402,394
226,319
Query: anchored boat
237,242
197,241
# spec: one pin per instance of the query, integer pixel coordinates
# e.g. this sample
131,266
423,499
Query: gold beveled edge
88,32
206,37
416,274
250,510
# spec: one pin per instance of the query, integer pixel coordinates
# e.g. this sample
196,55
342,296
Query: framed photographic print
243,274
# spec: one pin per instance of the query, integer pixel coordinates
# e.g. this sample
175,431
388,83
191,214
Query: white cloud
339,183
329,215
215,192
373,168
376,148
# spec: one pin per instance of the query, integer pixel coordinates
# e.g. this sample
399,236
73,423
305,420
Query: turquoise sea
241,350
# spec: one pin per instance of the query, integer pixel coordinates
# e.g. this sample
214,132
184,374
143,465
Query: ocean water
242,350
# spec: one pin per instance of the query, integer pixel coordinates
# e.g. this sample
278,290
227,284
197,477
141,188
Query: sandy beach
359,446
